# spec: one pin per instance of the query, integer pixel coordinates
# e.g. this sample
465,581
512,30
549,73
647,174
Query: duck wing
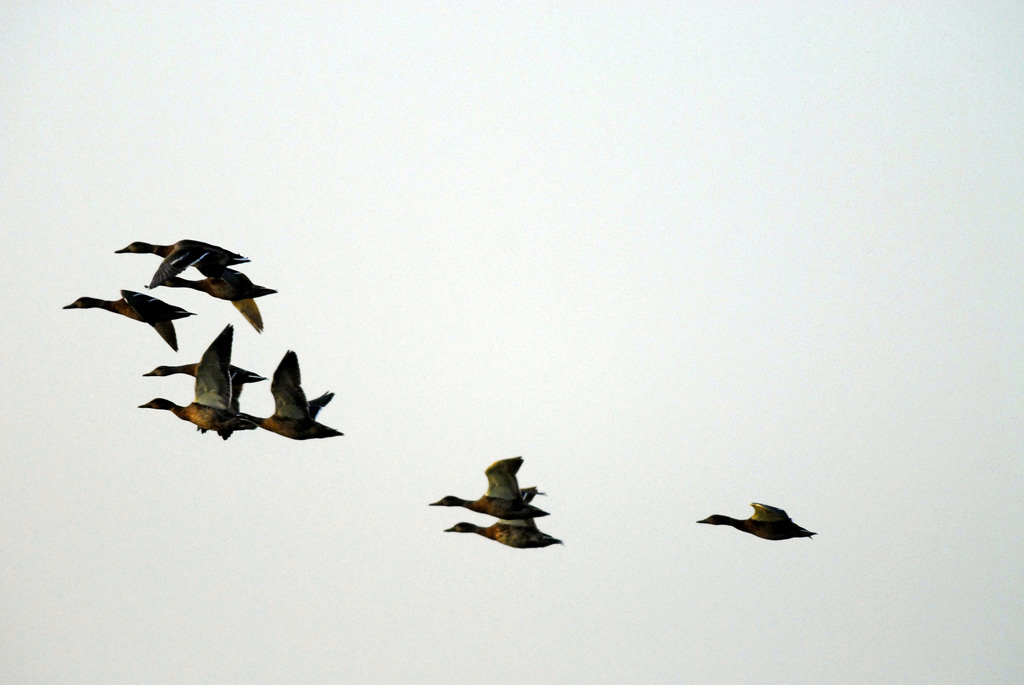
213,376
501,479
286,387
251,312
768,514
166,331
176,262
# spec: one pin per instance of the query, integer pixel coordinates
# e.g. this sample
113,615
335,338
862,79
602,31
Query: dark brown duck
519,533
232,285
139,307
767,522
294,417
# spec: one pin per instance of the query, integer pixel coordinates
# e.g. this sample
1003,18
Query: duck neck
739,524
490,531
96,303
176,282
189,369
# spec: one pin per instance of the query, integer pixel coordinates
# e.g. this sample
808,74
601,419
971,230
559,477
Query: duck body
294,417
212,408
209,259
233,286
519,533
769,523
139,307
296,429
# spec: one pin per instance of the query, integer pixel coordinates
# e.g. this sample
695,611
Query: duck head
84,303
449,501
717,520
161,371
158,403
138,247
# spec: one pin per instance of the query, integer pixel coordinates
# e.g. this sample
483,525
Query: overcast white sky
679,257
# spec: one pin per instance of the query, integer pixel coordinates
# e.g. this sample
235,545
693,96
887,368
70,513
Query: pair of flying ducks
511,505
221,282
218,385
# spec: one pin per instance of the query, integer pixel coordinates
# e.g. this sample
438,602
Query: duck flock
218,382
218,386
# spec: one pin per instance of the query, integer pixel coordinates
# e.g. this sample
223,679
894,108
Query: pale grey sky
681,258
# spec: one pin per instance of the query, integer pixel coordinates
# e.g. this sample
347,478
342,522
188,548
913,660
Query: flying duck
209,259
231,285
139,307
767,522
294,417
503,498
520,533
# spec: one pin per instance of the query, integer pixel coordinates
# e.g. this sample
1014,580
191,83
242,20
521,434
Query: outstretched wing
213,376
166,331
501,479
251,312
286,387
763,512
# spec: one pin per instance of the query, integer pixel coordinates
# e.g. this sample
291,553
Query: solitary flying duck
767,522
